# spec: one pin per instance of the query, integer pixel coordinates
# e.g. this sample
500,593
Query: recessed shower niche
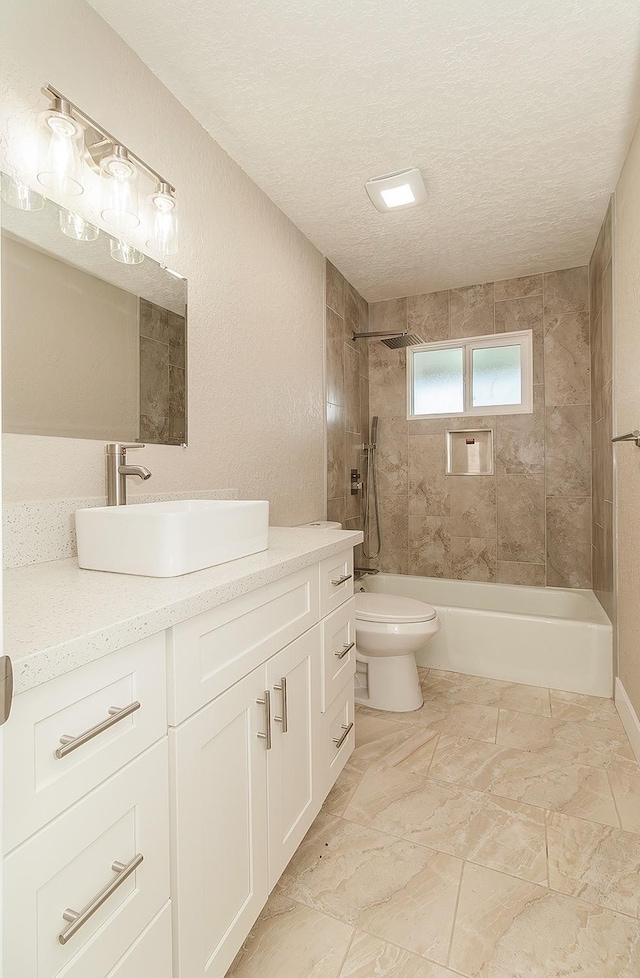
470,452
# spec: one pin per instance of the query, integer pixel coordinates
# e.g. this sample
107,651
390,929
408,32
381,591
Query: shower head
393,339
401,340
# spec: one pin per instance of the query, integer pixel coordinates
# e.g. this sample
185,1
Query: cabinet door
219,812
293,676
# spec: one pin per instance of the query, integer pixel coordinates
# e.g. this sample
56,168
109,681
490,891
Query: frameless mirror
91,347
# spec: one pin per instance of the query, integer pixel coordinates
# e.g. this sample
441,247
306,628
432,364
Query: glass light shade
124,253
119,190
164,221
76,227
61,147
18,195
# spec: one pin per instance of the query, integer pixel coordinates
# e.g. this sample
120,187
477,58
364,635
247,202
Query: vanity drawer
336,581
214,650
338,651
39,785
70,862
338,734
150,956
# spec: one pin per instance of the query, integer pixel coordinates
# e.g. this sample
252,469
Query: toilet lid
392,608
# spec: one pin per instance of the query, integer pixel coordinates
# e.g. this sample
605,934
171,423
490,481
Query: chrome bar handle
339,741
116,714
630,436
78,918
341,580
345,648
284,719
266,702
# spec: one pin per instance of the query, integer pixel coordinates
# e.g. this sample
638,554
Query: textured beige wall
63,334
530,523
626,408
601,327
256,310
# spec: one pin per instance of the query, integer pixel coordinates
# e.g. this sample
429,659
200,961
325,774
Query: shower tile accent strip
601,316
530,523
347,389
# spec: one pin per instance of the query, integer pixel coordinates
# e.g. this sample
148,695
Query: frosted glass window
471,376
497,376
438,381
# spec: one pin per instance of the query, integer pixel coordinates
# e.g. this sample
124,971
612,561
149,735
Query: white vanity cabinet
154,797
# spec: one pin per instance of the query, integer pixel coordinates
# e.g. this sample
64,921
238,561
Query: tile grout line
455,913
346,953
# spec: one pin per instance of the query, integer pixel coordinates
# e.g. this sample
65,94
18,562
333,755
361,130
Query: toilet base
393,683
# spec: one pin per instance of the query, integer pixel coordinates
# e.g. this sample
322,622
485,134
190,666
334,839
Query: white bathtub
538,636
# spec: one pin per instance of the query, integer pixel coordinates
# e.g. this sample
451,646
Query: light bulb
120,190
76,227
164,221
60,166
124,253
18,195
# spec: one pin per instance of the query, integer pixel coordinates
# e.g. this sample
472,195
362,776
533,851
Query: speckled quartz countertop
58,617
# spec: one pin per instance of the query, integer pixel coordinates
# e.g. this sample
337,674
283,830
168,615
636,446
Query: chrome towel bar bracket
630,436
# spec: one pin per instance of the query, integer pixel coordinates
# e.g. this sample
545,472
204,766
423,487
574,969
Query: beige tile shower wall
255,283
530,523
347,387
601,323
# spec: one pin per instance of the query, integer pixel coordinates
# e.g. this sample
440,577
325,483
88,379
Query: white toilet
389,630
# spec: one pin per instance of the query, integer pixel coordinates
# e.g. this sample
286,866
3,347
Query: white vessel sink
169,539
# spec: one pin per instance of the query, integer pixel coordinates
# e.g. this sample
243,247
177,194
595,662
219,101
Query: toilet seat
392,608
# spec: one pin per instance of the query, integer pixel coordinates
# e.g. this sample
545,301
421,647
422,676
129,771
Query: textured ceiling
519,114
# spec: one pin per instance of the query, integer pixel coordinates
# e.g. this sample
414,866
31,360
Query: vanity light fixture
17,194
164,221
125,253
396,191
61,148
72,143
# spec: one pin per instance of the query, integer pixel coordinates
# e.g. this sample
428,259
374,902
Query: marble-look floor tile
586,709
595,862
556,783
342,791
388,743
293,940
483,828
394,890
508,928
370,957
581,742
451,717
624,778
486,692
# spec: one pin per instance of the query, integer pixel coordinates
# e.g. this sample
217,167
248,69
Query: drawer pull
77,918
339,741
346,648
71,743
266,702
341,580
284,719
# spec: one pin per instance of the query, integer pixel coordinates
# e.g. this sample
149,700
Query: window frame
522,338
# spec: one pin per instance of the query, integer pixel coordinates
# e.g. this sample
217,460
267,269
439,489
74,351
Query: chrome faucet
118,470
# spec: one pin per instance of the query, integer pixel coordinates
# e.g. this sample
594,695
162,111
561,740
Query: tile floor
495,833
